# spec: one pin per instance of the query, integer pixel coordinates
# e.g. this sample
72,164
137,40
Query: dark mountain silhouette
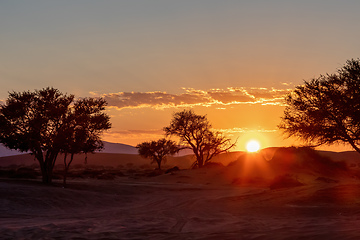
113,154
8,152
110,147
97,159
128,149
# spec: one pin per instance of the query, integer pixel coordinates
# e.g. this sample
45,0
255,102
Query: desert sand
238,201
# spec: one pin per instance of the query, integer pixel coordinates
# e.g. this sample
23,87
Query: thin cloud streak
160,133
193,97
245,130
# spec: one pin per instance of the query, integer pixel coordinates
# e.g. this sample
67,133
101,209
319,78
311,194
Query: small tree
158,150
195,132
39,122
326,110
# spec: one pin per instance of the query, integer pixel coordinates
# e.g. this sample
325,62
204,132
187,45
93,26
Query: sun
253,146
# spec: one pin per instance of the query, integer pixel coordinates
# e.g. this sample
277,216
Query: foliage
43,121
195,132
85,124
326,110
158,150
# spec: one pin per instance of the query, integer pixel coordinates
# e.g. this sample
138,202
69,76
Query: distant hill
8,152
118,148
109,147
98,159
113,155
127,149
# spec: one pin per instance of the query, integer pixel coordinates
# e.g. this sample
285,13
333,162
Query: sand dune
210,203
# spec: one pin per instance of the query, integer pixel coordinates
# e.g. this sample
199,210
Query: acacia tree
158,150
85,124
326,110
37,122
195,132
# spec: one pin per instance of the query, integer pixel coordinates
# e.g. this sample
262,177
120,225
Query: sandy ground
184,205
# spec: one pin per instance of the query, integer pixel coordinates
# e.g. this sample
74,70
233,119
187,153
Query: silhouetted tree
38,122
195,132
158,150
326,110
85,124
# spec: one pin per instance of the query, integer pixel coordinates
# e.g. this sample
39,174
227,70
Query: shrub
285,181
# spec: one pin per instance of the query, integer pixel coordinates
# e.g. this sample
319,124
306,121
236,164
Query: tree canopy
46,122
85,124
326,110
158,150
195,132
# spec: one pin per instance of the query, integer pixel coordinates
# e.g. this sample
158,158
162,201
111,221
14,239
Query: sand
312,199
184,205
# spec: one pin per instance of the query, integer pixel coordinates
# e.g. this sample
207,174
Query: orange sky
236,112
241,114
231,60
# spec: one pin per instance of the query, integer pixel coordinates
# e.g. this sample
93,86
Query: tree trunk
352,143
46,175
200,159
46,170
200,162
46,178
66,168
65,174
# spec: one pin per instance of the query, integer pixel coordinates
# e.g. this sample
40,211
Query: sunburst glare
253,146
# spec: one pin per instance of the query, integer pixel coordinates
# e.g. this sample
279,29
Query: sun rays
252,146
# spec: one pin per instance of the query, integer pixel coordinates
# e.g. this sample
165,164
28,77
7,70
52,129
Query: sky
231,60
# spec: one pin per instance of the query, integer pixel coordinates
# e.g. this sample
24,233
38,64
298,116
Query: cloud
245,130
193,97
230,96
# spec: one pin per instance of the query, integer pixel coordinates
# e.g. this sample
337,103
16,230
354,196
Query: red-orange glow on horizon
251,168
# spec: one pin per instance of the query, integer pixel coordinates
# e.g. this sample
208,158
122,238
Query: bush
173,169
25,172
285,181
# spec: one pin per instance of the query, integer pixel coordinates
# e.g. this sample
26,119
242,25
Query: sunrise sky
231,60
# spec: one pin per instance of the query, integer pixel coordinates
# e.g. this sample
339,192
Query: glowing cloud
194,97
